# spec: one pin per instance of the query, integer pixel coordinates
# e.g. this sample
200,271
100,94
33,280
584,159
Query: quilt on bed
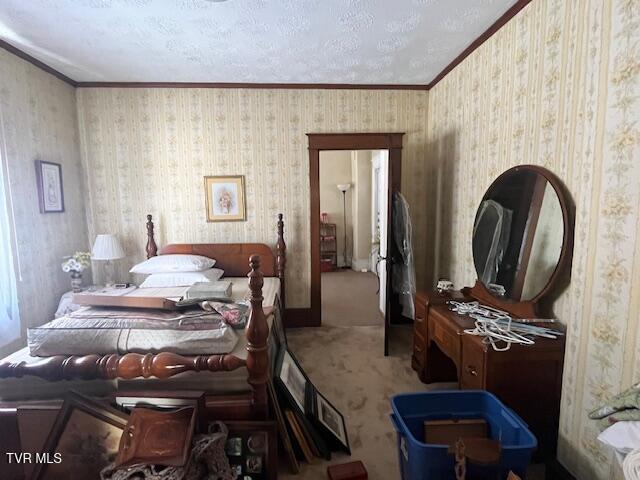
197,331
103,331
13,389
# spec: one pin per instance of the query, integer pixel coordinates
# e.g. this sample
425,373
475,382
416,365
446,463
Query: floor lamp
343,187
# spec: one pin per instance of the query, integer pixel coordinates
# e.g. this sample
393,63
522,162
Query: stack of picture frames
91,438
310,426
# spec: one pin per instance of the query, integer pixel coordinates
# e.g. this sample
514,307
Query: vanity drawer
472,368
419,351
420,321
448,340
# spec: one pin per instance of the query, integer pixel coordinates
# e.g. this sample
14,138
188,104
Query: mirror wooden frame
529,308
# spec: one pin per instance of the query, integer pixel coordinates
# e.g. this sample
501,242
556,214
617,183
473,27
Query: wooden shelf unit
328,246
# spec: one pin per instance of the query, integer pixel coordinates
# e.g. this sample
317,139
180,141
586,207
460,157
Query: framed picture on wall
49,182
225,198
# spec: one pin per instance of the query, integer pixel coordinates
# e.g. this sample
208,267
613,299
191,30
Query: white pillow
174,263
181,279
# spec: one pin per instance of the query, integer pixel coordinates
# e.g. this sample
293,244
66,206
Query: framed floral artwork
225,198
49,182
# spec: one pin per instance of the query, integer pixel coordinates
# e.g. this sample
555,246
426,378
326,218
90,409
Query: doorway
391,143
353,232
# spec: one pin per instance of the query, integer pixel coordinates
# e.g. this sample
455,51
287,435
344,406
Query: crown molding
488,33
43,66
508,15
295,86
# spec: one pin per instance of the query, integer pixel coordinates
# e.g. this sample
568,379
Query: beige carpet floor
350,298
346,364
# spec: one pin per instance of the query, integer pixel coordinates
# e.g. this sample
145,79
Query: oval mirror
520,233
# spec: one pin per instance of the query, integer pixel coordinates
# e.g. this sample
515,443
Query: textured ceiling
282,41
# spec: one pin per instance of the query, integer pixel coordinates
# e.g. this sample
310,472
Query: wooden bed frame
232,258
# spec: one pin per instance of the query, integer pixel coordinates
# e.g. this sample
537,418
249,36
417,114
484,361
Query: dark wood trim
508,15
533,215
340,141
298,317
34,61
498,24
292,86
314,204
355,141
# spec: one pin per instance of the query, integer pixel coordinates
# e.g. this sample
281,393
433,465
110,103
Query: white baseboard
360,264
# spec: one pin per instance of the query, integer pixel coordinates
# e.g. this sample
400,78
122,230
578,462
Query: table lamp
107,248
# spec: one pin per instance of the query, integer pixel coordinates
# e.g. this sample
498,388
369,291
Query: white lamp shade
107,247
343,187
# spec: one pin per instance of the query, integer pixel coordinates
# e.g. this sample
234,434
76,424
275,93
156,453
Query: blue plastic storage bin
421,461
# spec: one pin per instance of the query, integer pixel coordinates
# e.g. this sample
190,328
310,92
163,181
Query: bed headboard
231,257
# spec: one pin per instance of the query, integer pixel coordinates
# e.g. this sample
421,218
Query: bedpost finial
151,248
281,257
255,280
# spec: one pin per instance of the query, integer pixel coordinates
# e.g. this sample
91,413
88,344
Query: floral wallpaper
39,123
558,86
147,151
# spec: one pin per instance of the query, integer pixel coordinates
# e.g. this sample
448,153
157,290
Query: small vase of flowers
74,265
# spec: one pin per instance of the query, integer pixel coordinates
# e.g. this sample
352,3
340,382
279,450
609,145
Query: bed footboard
130,365
166,364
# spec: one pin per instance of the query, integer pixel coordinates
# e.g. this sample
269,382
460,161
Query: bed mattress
33,388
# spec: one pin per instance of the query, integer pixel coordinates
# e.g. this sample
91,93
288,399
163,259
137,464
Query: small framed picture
84,439
225,198
252,449
330,420
49,183
293,380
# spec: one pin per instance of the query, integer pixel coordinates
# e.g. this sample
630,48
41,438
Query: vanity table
522,241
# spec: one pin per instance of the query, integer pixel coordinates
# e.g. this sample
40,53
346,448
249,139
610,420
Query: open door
384,219
390,250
